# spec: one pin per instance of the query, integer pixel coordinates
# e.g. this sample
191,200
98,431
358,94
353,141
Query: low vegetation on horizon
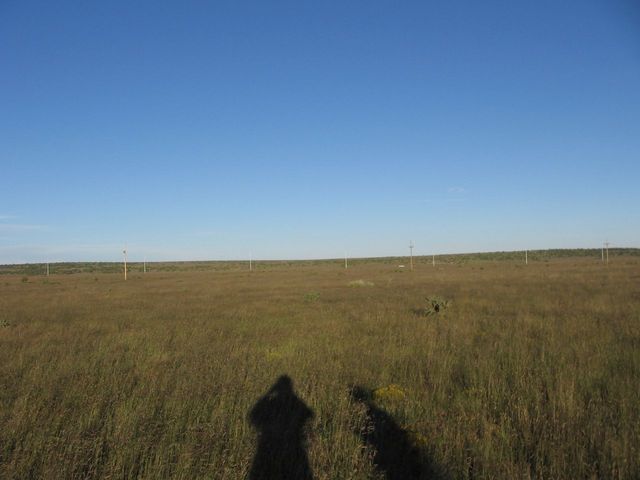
225,265
479,367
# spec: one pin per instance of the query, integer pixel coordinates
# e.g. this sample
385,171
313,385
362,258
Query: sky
199,130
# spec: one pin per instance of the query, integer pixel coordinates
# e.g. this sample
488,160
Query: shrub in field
435,305
311,297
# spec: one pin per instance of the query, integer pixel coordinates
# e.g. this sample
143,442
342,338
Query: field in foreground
531,372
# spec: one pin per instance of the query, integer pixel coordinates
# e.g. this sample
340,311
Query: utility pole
606,244
124,253
47,269
411,255
346,264
433,259
144,265
526,257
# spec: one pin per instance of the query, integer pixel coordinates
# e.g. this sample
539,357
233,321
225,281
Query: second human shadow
395,455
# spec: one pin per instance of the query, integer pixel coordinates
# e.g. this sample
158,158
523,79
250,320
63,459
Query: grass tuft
361,283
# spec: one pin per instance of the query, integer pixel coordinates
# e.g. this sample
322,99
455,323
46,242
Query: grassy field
314,371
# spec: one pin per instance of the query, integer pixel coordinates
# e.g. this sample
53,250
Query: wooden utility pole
411,255
124,253
526,257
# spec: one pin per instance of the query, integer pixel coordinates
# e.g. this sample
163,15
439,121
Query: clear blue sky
206,130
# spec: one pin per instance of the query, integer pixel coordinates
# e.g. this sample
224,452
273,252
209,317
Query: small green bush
311,297
435,305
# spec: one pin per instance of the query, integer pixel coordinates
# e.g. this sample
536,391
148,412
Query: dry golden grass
531,372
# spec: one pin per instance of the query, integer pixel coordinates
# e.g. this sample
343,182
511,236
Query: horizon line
324,259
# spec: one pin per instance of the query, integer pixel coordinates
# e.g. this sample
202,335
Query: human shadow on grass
279,417
396,454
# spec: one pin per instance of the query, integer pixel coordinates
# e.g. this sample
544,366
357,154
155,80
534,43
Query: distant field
461,258
207,370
